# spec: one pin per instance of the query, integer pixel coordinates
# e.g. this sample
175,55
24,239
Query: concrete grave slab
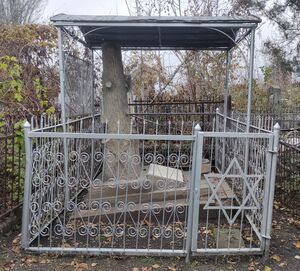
165,173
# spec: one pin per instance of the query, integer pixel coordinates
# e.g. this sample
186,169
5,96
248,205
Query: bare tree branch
21,11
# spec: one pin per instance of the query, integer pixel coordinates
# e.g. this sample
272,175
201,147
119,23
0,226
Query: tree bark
121,155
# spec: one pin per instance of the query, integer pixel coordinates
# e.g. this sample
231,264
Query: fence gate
141,194
232,209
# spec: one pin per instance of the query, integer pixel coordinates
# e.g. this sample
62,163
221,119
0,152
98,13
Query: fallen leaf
16,249
172,268
146,222
231,261
276,257
16,240
135,269
267,268
207,232
30,260
79,266
297,257
251,266
297,245
155,266
93,264
283,264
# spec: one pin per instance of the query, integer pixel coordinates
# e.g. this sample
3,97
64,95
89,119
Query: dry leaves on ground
172,267
276,257
79,266
16,244
297,244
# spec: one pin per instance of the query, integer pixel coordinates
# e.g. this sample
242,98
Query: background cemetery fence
12,166
177,112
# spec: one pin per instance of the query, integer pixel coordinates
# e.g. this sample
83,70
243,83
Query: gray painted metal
27,185
250,78
60,19
85,196
202,33
126,217
274,154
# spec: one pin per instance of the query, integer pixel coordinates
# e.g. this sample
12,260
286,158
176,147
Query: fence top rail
59,124
173,114
243,123
289,146
237,135
175,102
146,136
111,136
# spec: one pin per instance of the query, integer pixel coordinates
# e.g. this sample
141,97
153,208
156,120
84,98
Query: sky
85,7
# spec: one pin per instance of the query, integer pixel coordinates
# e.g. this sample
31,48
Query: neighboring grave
274,97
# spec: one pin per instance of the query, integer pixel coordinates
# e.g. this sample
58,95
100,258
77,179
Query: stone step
141,204
157,211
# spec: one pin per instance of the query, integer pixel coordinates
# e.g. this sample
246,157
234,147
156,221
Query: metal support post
274,156
250,82
250,78
63,108
62,77
226,89
93,91
197,129
196,191
216,140
27,187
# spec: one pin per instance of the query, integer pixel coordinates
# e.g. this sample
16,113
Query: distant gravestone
274,97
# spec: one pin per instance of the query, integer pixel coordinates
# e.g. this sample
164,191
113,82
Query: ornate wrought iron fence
145,193
11,166
288,169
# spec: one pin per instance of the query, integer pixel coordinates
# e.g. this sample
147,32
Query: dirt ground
285,255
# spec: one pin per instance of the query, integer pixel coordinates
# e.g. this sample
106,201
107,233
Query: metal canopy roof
134,32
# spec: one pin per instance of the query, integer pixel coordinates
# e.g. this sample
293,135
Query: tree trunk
121,155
